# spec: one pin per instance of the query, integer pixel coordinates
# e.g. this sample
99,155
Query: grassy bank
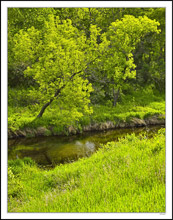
126,176
140,104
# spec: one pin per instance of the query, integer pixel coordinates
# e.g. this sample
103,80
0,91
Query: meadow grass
124,176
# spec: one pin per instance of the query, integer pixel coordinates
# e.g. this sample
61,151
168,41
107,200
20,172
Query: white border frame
168,6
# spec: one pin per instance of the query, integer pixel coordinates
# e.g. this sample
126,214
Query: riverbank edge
42,131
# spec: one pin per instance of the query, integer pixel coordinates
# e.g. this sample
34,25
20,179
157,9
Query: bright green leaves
58,55
92,46
56,59
124,34
27,45
75,96
122,37
94,33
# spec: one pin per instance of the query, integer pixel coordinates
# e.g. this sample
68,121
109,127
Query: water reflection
55,150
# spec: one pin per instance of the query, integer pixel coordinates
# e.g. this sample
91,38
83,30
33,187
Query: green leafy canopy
58,55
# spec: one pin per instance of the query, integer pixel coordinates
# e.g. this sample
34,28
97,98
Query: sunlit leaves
58,55
123,36
56,58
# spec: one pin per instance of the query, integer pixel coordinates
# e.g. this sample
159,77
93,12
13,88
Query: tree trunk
115,96
43,108
48,103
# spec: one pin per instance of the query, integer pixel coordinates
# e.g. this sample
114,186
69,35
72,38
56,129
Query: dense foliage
75,57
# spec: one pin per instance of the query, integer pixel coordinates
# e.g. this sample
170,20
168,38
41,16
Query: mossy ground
126,176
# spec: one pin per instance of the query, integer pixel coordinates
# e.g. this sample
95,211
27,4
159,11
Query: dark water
53,150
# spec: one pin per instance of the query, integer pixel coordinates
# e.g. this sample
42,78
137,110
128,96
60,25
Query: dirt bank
42,131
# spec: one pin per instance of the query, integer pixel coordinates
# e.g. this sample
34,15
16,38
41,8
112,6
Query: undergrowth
141,104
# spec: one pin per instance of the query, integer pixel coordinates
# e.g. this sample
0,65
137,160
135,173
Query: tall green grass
124,176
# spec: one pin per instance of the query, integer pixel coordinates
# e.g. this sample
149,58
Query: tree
56,58
60,56
149,54
122,37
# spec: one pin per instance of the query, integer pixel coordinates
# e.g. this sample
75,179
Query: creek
54,150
